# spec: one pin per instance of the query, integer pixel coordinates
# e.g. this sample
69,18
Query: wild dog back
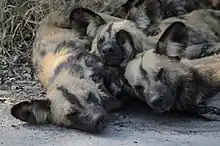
197,32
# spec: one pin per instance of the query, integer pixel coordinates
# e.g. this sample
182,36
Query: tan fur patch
211,70
49,64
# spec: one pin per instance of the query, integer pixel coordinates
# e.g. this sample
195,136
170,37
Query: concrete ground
136,125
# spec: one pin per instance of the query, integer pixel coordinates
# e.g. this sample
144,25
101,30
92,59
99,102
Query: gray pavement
134,126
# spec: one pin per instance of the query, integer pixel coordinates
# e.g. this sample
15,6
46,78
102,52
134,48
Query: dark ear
125,9
145,13
153,10
85,21
34,111
125,40
173,41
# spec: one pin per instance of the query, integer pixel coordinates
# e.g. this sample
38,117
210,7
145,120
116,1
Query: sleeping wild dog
152,16
198,33
166,83
76,95
110,40
117,43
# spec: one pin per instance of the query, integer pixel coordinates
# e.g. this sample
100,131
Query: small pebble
122,126
135,142
15,126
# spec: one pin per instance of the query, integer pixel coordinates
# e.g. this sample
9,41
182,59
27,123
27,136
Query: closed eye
160,75
72,114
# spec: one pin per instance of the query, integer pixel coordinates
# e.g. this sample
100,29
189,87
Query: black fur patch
92,98
215,32
69,96
204,49
70,65
71,45
42,53
214,14
76,51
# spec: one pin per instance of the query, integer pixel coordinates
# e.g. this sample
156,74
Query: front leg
208,112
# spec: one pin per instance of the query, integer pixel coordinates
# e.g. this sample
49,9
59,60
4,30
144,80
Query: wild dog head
114,42
71,101
74,103
156,75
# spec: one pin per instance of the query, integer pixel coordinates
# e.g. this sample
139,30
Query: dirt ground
136,125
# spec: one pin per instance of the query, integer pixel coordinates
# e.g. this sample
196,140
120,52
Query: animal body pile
163,52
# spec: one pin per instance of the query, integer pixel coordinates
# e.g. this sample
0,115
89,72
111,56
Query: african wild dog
76,95
168,8
110,41
198,33
117,43
181,7
167,83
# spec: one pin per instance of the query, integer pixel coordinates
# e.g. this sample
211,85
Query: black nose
157,101
107,50
100,123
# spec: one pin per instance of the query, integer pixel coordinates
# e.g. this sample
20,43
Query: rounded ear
125,40
154,10
85,20
144,12
173,41
123,36
34,111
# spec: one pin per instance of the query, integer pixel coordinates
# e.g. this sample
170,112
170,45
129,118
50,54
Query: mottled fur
113,41
75,79
147,14
169,84
167,8
181,7
197,30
